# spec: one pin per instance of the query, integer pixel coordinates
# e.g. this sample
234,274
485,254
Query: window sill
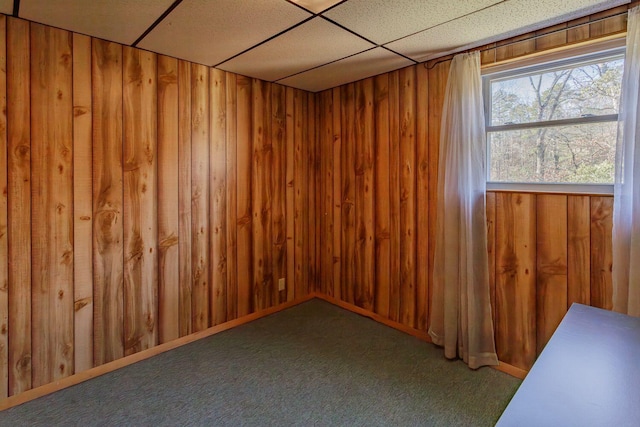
587,189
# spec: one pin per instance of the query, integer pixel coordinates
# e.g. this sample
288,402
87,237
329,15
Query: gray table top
587,375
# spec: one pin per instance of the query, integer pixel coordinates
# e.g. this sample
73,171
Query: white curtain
461,306
626,202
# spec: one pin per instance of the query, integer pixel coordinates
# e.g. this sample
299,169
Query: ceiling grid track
265,41
156,22
311,45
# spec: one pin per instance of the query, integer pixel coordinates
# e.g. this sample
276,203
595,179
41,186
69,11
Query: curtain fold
461,306
626,202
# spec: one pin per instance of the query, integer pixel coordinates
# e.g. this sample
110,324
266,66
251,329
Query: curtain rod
446,57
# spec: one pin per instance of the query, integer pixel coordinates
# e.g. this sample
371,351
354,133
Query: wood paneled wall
379,143
547,251
143,198
374,186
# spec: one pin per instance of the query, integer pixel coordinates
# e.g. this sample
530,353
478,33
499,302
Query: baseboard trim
422,335
83,376
374,316
80,377
514,371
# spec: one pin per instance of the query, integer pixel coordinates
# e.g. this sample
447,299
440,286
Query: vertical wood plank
516,46
408,197
551,259
551,37
4,244
312,192
19,200
348,193
382,195
82,205
232,272
364,187
140,200
290,192
309,191
337,191
488,54
200,196
326,188
262,283
367,298
278,190
217,203
610,25
601,251
394,194
107,201
516,278
422,196
168,200
184,198
491,250
579,250
437,85
52,204
244,196
580,30
301,222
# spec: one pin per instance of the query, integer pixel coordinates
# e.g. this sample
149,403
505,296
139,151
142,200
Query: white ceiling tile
486,26
313,43
122,21
316,6
6,7
382,21
370,63
209,32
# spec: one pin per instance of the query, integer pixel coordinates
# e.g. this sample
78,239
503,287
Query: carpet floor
314,364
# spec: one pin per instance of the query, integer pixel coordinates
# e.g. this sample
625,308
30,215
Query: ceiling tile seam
334,6
300,7
266,40
326,63
363,38
157,22
443,23
399,54
349,30
315,13
16,8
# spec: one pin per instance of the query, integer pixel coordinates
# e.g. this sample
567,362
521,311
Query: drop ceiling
307,44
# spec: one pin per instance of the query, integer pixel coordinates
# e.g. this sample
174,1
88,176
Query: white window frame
593,52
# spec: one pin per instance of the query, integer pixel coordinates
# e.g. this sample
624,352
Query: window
554,123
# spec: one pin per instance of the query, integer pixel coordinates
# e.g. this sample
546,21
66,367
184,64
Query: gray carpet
313,364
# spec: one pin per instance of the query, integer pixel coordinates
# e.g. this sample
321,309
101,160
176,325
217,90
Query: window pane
565,154
575,91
